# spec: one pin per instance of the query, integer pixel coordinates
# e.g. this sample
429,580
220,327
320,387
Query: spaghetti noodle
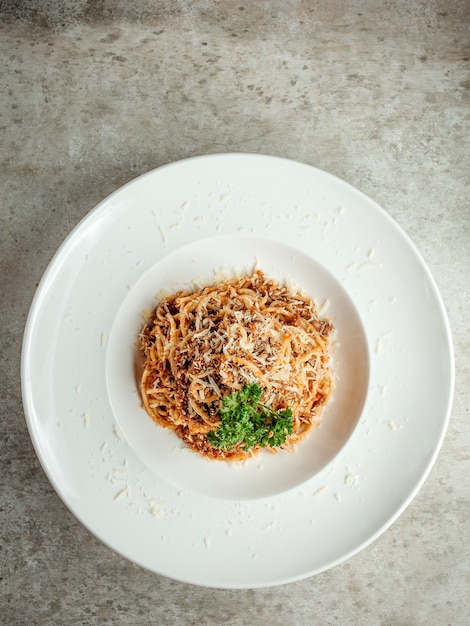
200,346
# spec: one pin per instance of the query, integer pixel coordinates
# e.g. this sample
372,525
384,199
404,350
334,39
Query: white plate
253,525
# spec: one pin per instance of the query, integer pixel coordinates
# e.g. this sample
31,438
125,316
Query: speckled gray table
95,93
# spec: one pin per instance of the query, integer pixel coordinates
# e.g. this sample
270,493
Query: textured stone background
95,93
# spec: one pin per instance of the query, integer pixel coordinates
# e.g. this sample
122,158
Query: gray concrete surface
95,93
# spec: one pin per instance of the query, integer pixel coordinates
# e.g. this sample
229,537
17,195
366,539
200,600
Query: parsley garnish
245,420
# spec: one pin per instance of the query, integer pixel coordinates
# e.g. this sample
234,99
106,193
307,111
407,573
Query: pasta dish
206,350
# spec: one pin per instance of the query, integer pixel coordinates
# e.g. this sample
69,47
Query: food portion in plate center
237,366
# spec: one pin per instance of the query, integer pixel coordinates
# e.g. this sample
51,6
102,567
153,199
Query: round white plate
276,519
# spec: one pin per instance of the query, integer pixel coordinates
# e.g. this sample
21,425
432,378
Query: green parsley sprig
246,420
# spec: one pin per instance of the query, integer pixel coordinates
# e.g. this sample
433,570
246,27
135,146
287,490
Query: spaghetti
200,346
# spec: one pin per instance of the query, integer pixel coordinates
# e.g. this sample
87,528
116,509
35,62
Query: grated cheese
122,494
118,433
163,233
351,479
